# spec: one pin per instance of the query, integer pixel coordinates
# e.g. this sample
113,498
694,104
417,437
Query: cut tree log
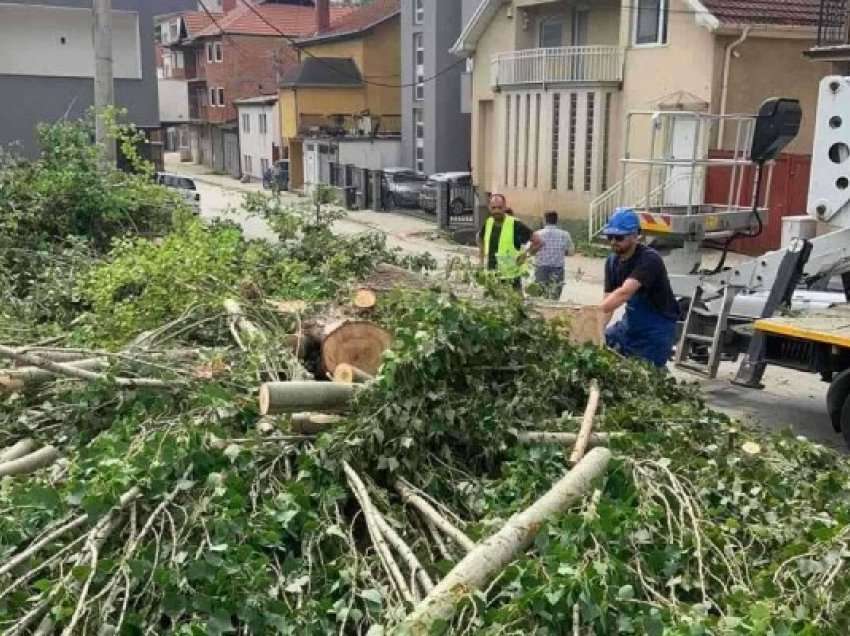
313,423
16,450
349,374
294,397
566,439
21,377
75,372
364,299
492,555
586,423
30,463
356,342
433,516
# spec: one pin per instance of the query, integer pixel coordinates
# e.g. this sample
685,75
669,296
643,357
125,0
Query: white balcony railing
557,65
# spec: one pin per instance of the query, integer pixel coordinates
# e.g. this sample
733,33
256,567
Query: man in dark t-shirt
635,275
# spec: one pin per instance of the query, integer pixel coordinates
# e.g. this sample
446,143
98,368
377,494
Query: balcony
562,65
349,126
833,42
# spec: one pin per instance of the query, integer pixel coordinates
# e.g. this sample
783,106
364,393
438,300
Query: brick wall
250,66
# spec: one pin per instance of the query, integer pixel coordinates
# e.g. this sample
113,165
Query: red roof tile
291,20
361,18
768,12
197,21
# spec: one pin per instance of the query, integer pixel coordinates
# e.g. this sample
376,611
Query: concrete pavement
791,400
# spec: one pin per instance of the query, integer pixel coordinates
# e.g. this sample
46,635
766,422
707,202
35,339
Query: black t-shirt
522,235
647,267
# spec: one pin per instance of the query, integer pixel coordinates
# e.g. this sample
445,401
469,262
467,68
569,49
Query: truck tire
836,399
845,421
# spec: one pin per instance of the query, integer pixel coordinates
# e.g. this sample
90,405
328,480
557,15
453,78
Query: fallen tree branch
23,376
432,516
292,397
405,553
492,555
30,463
75,372
378,539
18,449
567,439
349,374
586,424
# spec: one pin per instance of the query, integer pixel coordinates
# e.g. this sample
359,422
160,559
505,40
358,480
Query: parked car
277,177
461,193
184,186
401,187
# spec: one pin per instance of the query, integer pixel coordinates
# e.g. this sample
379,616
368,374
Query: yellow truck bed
828,326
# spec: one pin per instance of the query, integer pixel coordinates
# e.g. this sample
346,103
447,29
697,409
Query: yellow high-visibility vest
506,252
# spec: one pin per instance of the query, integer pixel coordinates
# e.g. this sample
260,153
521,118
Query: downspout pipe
724,91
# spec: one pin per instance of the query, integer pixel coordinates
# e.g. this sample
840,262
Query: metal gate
460,202
232,164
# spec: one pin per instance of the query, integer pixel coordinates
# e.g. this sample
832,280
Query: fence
558,65
833,23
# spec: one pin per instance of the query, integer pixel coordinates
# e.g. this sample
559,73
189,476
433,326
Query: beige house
553,80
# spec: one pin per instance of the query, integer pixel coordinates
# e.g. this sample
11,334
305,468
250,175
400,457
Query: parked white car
184,186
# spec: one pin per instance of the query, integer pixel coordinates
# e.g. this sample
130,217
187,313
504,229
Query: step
701,369
696,337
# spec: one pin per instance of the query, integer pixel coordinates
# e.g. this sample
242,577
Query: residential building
435,128
47,64
241,54
259,134
344,90
554,80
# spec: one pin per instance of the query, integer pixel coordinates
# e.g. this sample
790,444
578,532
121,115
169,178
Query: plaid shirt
556,244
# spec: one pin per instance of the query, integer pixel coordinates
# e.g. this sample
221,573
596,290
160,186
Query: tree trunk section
567,439
491,556
19,449
356,342
30,463
293,397
586,424
313,423
30,376
364,299
348,374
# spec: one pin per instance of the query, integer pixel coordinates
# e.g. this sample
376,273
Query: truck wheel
836,399
845,421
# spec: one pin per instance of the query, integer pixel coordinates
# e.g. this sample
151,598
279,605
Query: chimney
228,5
323,16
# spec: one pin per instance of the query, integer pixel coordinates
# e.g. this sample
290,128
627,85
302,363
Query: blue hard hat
623,222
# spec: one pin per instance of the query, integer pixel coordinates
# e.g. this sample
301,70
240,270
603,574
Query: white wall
57,42
374,154
173,100
255,144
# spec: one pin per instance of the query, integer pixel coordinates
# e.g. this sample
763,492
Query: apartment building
435,128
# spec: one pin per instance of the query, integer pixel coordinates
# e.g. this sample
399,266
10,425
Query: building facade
553,82
346,86
435,130
47,64
259,134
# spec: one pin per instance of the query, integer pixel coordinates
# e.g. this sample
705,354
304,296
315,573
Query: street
790,399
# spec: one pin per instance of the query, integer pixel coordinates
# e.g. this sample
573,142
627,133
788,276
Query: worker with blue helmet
635,276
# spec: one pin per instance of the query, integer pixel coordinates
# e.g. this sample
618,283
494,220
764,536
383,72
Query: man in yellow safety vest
501,242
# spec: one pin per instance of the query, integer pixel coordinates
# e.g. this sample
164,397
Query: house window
551,33
248,166
174,30
516,141
263,123
221,96
650,26
606,136
213,98
219,52
536,139
419,65
588,142
264,165
178,59
418,11
527,140
556,136
209,52
419,132
571,142
246,123
507,135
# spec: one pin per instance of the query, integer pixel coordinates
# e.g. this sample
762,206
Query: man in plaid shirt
556,244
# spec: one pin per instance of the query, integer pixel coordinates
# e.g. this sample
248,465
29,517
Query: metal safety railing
833,23
563,64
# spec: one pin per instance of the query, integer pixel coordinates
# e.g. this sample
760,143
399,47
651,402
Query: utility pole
104,87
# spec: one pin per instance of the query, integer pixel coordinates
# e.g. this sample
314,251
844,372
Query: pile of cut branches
176,460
